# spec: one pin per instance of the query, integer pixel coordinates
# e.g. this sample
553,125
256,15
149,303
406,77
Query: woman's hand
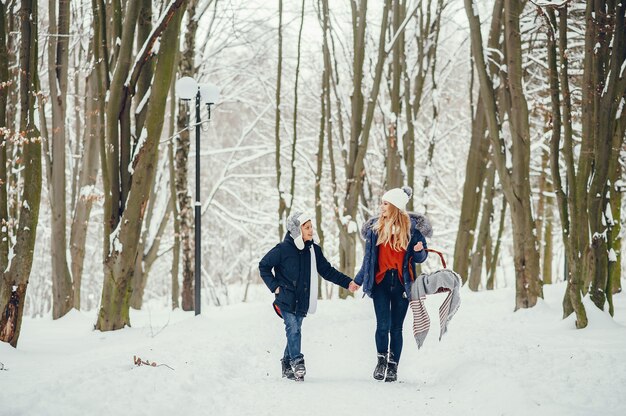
418,247
277,291
353,287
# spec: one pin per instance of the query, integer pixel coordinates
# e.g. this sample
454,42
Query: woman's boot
392,369
381,367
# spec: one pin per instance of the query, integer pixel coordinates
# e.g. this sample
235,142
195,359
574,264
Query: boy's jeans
390,306
293,325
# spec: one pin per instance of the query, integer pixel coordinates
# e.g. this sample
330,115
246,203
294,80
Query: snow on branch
223,175
147,48
394,38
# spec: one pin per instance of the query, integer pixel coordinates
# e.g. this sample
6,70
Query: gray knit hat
294,222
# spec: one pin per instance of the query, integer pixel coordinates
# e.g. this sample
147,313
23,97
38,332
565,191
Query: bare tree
58,65
477,156
361,119
186,67
15,272
515,181
122,242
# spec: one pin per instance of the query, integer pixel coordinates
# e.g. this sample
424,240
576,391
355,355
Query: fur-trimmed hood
418,221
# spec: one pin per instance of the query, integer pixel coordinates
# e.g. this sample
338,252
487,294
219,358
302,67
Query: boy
296,261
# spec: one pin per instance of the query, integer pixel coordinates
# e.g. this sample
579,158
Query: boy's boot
392,369
287,370
381,367
298,368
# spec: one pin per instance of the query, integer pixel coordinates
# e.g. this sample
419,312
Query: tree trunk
186,68
118,266
491,273
14,281
514,183
528,286
58,57
484,231
476,163
4,100
359,135
174,205
609,85
393,164
547,246
615,271
86,183
567,202
282,205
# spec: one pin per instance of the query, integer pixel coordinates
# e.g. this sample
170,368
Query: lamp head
186,88
209,93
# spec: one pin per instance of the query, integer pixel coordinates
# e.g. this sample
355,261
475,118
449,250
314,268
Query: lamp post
187,89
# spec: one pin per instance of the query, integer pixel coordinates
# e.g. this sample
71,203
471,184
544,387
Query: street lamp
188,88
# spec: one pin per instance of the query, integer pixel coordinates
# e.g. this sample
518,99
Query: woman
296,263
394,242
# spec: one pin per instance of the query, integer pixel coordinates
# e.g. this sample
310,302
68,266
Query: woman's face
384,209
307,231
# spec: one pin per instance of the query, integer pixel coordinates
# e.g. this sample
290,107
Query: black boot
381,367
392,369
298,368
287,370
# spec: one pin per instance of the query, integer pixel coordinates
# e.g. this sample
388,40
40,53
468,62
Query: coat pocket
287,296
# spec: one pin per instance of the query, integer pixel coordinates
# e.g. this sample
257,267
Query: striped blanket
427,284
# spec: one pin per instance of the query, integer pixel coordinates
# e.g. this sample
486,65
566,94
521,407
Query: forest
505,117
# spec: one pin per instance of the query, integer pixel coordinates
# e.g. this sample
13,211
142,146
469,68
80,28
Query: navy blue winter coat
292,273
366,277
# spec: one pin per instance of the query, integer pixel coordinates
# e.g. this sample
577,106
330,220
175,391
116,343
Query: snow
142,140
492,361
608,213
475,9
143,101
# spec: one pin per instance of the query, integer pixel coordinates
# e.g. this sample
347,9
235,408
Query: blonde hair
394,229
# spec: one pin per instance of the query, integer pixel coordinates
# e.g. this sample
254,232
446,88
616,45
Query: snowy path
492,362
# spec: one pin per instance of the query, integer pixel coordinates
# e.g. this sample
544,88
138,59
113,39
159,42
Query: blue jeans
293,325
390,306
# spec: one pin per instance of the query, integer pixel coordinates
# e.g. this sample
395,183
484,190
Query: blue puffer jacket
366,277
292,273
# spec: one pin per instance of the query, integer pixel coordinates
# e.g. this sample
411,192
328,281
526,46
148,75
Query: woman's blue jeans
390,306
293,326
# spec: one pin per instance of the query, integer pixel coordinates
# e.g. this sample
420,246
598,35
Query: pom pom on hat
294,222
398,197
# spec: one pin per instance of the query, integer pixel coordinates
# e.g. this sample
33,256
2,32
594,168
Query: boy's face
307,231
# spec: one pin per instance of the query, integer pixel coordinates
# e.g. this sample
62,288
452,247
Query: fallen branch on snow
138,362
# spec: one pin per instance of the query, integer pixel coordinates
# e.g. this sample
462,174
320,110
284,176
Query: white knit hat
294,222
398,197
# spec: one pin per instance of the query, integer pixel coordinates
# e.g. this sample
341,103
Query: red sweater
389,259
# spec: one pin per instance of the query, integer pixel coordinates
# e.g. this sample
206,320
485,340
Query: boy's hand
353,287
418,247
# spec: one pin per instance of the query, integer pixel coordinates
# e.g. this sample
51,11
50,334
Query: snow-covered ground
226,362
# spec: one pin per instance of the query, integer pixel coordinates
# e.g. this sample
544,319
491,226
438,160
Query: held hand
353,287
418,247
277,291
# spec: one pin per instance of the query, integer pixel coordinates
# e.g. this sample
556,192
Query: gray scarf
427,284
